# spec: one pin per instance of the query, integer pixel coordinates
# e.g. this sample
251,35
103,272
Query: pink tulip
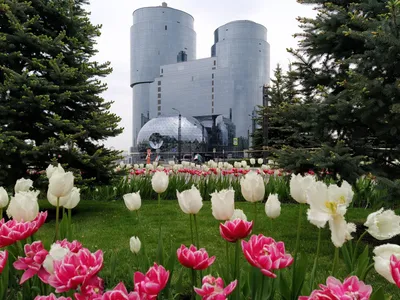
266,254
51,297
75,269
73,246
13,231
3,260
32,264
213,288
235,230
118,293
352,288
395,269
193,258
91,289
152,283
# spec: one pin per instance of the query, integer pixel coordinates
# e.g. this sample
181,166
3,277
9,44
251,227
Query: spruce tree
50,90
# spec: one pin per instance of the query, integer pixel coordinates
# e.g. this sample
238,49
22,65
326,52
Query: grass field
109,226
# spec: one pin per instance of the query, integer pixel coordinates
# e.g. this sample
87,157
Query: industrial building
221,92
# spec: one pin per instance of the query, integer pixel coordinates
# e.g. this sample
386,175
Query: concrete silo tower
160,35
242,47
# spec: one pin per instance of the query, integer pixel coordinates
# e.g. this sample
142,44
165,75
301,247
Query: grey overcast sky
279,16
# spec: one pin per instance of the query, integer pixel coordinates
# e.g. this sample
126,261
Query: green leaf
299,275
362,264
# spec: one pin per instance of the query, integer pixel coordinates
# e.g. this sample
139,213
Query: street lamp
179,135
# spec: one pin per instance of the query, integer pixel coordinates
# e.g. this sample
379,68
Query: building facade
166,75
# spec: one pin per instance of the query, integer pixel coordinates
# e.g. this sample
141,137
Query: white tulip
56,253
73,199
252,187
351,227
159,182
273,206
265,167
237,165
223,204
3,198
299,186
190,201
171,163
141,166
136,166
382,259
238,214
24,206
51,198
220,165
329,204
243,164
23,185
260,161
149,167
135,244
252,161
383,225
61,184
160,168
51,170
133,201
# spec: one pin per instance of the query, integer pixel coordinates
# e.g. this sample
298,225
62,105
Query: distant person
198,159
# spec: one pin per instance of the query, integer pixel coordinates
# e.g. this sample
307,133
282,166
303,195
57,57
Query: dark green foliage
50,90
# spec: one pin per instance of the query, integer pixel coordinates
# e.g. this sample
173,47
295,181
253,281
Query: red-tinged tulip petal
395,269
213,288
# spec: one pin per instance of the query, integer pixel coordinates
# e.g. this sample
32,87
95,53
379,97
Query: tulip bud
190,201
223,204
260,161
159,182
23,185
273,206
56,253
299,186
252,187
3,198
24,206
141,166
383,225
252,161
73,199
61,184
238,214
133,201
243,164
135,244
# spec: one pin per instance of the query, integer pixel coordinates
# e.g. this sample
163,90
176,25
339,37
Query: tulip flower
299,186
92,289
383,225
193,258
13,231
252,161
382,258
120,292
190,201
214,288
351,288
52,169
3,260
24,206
252,187
151,283
52,297
74,269
61,183
238,214
73,246
133,201
273,206
235,230
135,244
159,182
57,253
222,204
395,269
23,185
329,204
3,199
73,199
266,254
260,161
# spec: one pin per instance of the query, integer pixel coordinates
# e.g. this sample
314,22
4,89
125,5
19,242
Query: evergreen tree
50,90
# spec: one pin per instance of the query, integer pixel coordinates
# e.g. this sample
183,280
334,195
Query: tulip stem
314,269
237,270
255,214
69,223
193,283
191,229
358,242
57,216
227,257
137,215
298,229
1,213
159,211
335,261
197,232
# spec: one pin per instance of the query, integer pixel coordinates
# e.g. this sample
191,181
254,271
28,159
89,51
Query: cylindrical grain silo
242,47
159,36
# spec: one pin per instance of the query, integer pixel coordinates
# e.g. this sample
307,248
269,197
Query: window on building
212,96
159,108
212,75
159,89
159,114
212,103
159,101
212,82
212,90
159,82
162,71
212,110
166,27
159,96
215,62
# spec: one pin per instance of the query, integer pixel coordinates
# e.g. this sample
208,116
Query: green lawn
109,225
